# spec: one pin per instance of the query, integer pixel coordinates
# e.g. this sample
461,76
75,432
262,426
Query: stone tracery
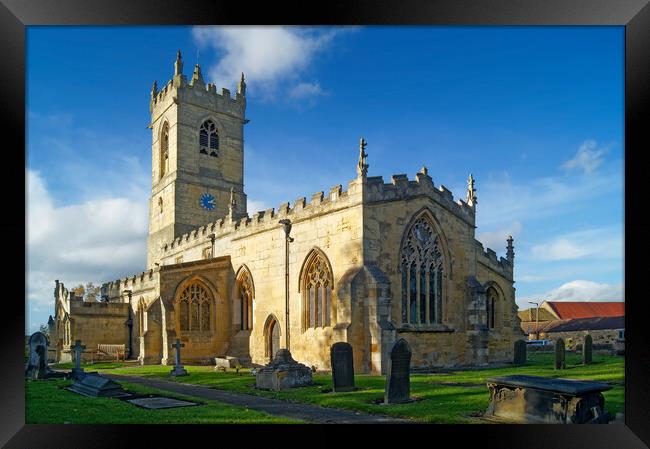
194,304
421,264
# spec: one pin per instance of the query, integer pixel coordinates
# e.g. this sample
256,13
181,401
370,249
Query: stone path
310,413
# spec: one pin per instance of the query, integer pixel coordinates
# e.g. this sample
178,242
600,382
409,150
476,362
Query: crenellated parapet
197,92
488,257
115,291
401,188
320,203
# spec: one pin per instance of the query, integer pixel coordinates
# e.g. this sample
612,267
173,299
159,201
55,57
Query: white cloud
588,158
595,243
497,239
266,55
96,240
256,206
579,290
306,90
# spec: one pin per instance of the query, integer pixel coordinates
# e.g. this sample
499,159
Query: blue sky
534,113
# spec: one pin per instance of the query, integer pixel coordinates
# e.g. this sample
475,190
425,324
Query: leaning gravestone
587,350
37,364
560,362
398,380
520,352
342,367
178,370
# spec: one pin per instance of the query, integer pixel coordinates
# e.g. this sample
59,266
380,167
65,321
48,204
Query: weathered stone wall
97,323
571,339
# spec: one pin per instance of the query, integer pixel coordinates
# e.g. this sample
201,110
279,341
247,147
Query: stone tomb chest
283,373
543,400
97,386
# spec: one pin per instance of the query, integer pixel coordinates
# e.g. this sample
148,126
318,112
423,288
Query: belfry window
194,308
164,150
317,288
209,138
422,275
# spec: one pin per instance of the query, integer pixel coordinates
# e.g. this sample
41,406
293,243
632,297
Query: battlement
489,257
114,290
400,187
337,198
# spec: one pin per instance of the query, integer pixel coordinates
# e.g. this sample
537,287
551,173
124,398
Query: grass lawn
48,403
451,397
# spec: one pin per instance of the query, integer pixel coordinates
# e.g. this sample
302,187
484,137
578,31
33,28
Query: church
366,263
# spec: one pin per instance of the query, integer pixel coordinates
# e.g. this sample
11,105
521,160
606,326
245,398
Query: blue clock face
207,201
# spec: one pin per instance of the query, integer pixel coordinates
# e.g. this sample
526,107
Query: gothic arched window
421,265
245,283
194,307
209,138
491,305
164,150
141,326
317,292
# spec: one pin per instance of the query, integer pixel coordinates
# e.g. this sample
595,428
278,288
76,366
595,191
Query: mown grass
48,403
449,397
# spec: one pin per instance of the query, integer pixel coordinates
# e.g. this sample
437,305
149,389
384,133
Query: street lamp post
536,320
286,223
129,323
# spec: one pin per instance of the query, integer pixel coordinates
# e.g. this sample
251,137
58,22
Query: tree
89,292
92,293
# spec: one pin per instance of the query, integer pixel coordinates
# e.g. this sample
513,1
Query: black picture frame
634,15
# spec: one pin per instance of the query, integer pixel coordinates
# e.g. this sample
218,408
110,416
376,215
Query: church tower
197,156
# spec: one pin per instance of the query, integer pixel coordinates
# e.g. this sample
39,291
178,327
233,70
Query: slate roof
578,324
565,310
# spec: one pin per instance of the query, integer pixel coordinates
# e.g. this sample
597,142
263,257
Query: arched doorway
271,337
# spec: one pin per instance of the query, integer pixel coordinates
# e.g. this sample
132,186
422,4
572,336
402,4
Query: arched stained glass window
491,305
317,298
421,265
209,138
194,304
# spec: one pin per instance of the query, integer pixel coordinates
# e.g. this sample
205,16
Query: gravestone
37,362
587,350
77,371
342,367
398,376
283,373
560,362
97,386
520,352
178,370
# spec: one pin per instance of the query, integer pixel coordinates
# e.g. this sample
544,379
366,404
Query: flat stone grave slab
159,402
534,399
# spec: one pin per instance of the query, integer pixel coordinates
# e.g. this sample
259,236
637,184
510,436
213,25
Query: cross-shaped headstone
77,348
178,368
178,345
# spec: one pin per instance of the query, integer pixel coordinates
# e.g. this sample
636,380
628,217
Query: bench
105,350
543,400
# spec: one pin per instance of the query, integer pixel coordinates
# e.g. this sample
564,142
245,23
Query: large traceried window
164,150
317,292
246,299
421,266
209,138
194,307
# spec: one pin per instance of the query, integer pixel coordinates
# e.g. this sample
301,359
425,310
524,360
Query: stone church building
366,263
